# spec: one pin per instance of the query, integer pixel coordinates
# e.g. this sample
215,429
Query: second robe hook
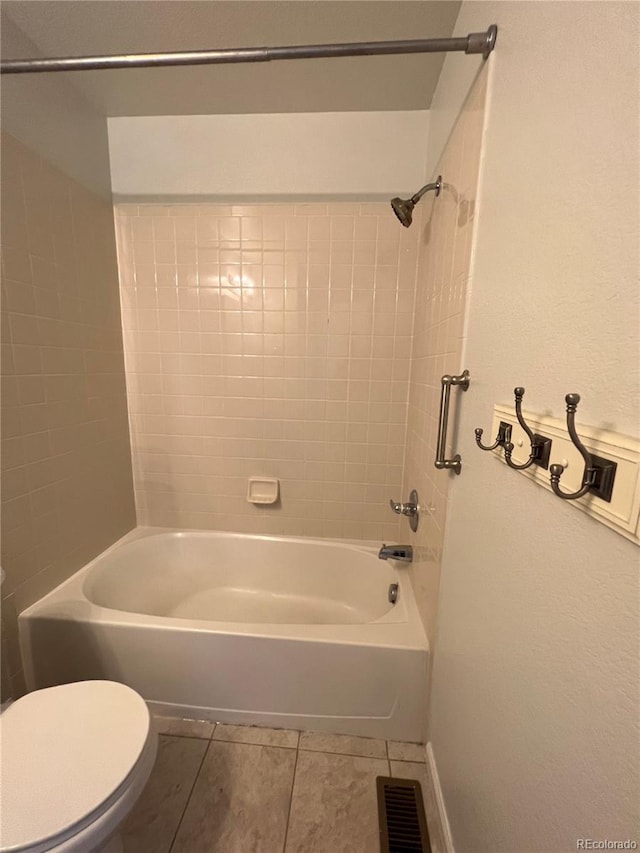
540,446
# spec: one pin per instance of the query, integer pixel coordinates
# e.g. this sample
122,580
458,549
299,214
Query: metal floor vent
401,817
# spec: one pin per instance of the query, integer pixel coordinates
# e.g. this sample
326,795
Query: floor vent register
401,817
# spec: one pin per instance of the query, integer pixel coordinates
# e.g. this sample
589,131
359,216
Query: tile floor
243,789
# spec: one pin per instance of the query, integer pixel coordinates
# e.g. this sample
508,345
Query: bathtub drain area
262,606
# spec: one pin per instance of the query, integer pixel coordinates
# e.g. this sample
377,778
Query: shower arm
436,185
478,43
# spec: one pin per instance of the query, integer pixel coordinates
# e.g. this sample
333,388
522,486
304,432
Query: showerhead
403,207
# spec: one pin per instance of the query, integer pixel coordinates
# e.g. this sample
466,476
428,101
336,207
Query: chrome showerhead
403,207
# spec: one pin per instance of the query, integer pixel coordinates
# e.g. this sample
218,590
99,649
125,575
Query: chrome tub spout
404,553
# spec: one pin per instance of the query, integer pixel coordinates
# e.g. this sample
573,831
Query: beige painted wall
49,115
66,464
268,340
337,155
535,698
445,234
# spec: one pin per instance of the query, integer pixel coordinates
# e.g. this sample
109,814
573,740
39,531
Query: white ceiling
82,27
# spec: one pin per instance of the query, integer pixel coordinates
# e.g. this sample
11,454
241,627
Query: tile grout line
299,732
253,743
386,746
349,754
186,805
211,737
293,783
258,743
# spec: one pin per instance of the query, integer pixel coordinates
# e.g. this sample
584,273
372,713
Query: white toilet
73,761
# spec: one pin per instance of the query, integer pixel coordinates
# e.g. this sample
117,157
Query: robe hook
590,471
503,436
540,446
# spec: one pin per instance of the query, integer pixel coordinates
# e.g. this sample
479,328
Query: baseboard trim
438,799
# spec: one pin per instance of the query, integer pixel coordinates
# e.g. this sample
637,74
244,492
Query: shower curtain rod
473,43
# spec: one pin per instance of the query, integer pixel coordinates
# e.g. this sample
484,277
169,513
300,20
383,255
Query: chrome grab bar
447,381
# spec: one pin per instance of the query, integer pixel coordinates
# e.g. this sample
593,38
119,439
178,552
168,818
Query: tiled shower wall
67,490
444,266
268,340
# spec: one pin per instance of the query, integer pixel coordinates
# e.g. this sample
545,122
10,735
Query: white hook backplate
623,513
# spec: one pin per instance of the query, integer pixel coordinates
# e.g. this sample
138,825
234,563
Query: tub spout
404,553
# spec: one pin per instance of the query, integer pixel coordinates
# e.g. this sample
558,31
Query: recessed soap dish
263,490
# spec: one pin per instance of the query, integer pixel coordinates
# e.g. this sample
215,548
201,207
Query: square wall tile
64,404
443,270
294,309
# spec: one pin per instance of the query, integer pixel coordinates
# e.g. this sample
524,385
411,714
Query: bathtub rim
408,633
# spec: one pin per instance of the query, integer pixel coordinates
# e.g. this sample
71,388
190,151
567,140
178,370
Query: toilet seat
67,755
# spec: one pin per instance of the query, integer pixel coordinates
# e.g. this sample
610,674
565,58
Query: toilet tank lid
64,753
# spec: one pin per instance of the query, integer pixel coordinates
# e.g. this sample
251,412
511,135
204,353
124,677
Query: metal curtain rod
473,43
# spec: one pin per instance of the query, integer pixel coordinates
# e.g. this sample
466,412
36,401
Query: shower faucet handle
408,508
411,509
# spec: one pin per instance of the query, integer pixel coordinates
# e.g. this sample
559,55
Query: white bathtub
241,629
